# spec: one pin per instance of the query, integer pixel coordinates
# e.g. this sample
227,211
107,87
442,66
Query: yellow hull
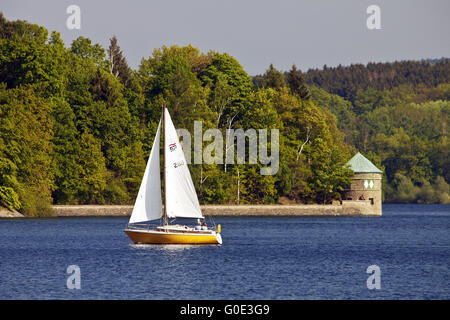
158,237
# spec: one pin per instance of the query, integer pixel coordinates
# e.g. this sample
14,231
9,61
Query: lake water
261,258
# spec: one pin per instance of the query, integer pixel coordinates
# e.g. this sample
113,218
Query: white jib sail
181,198
148,205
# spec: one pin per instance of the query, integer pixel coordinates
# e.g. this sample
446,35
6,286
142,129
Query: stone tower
366,183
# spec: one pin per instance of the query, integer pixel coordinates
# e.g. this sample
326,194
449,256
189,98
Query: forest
77,123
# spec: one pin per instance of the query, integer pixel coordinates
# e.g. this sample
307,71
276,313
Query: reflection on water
164,247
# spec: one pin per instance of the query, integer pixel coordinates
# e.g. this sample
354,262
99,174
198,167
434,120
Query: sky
308,33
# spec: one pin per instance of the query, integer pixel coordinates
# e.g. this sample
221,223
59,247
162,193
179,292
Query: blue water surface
261,258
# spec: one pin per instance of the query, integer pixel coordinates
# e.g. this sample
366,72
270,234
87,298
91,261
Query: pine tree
118,62
296,81
273,78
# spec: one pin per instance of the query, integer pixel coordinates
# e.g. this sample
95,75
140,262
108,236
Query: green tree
296,82
230,86
65,153
273,78
442,190
83,48
25,148
93,171
9,198
329,176
118,62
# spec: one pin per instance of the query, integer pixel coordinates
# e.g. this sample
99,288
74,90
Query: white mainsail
148,205
181,198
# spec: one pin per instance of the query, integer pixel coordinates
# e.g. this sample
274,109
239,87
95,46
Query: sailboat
180,198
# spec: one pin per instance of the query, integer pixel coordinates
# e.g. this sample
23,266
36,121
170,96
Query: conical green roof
360,164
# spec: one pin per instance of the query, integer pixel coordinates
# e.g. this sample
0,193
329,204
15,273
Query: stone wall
347,208
360,207
92,210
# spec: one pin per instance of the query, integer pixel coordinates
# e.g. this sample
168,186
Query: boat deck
182,229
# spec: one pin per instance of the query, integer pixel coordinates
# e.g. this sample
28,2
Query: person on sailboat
199,225
205,226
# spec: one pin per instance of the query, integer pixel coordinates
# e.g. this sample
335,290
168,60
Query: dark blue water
261,258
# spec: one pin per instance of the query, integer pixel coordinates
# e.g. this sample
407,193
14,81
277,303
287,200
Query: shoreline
360,208
344,208
6,213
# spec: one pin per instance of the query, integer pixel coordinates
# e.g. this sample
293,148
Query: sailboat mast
166,222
